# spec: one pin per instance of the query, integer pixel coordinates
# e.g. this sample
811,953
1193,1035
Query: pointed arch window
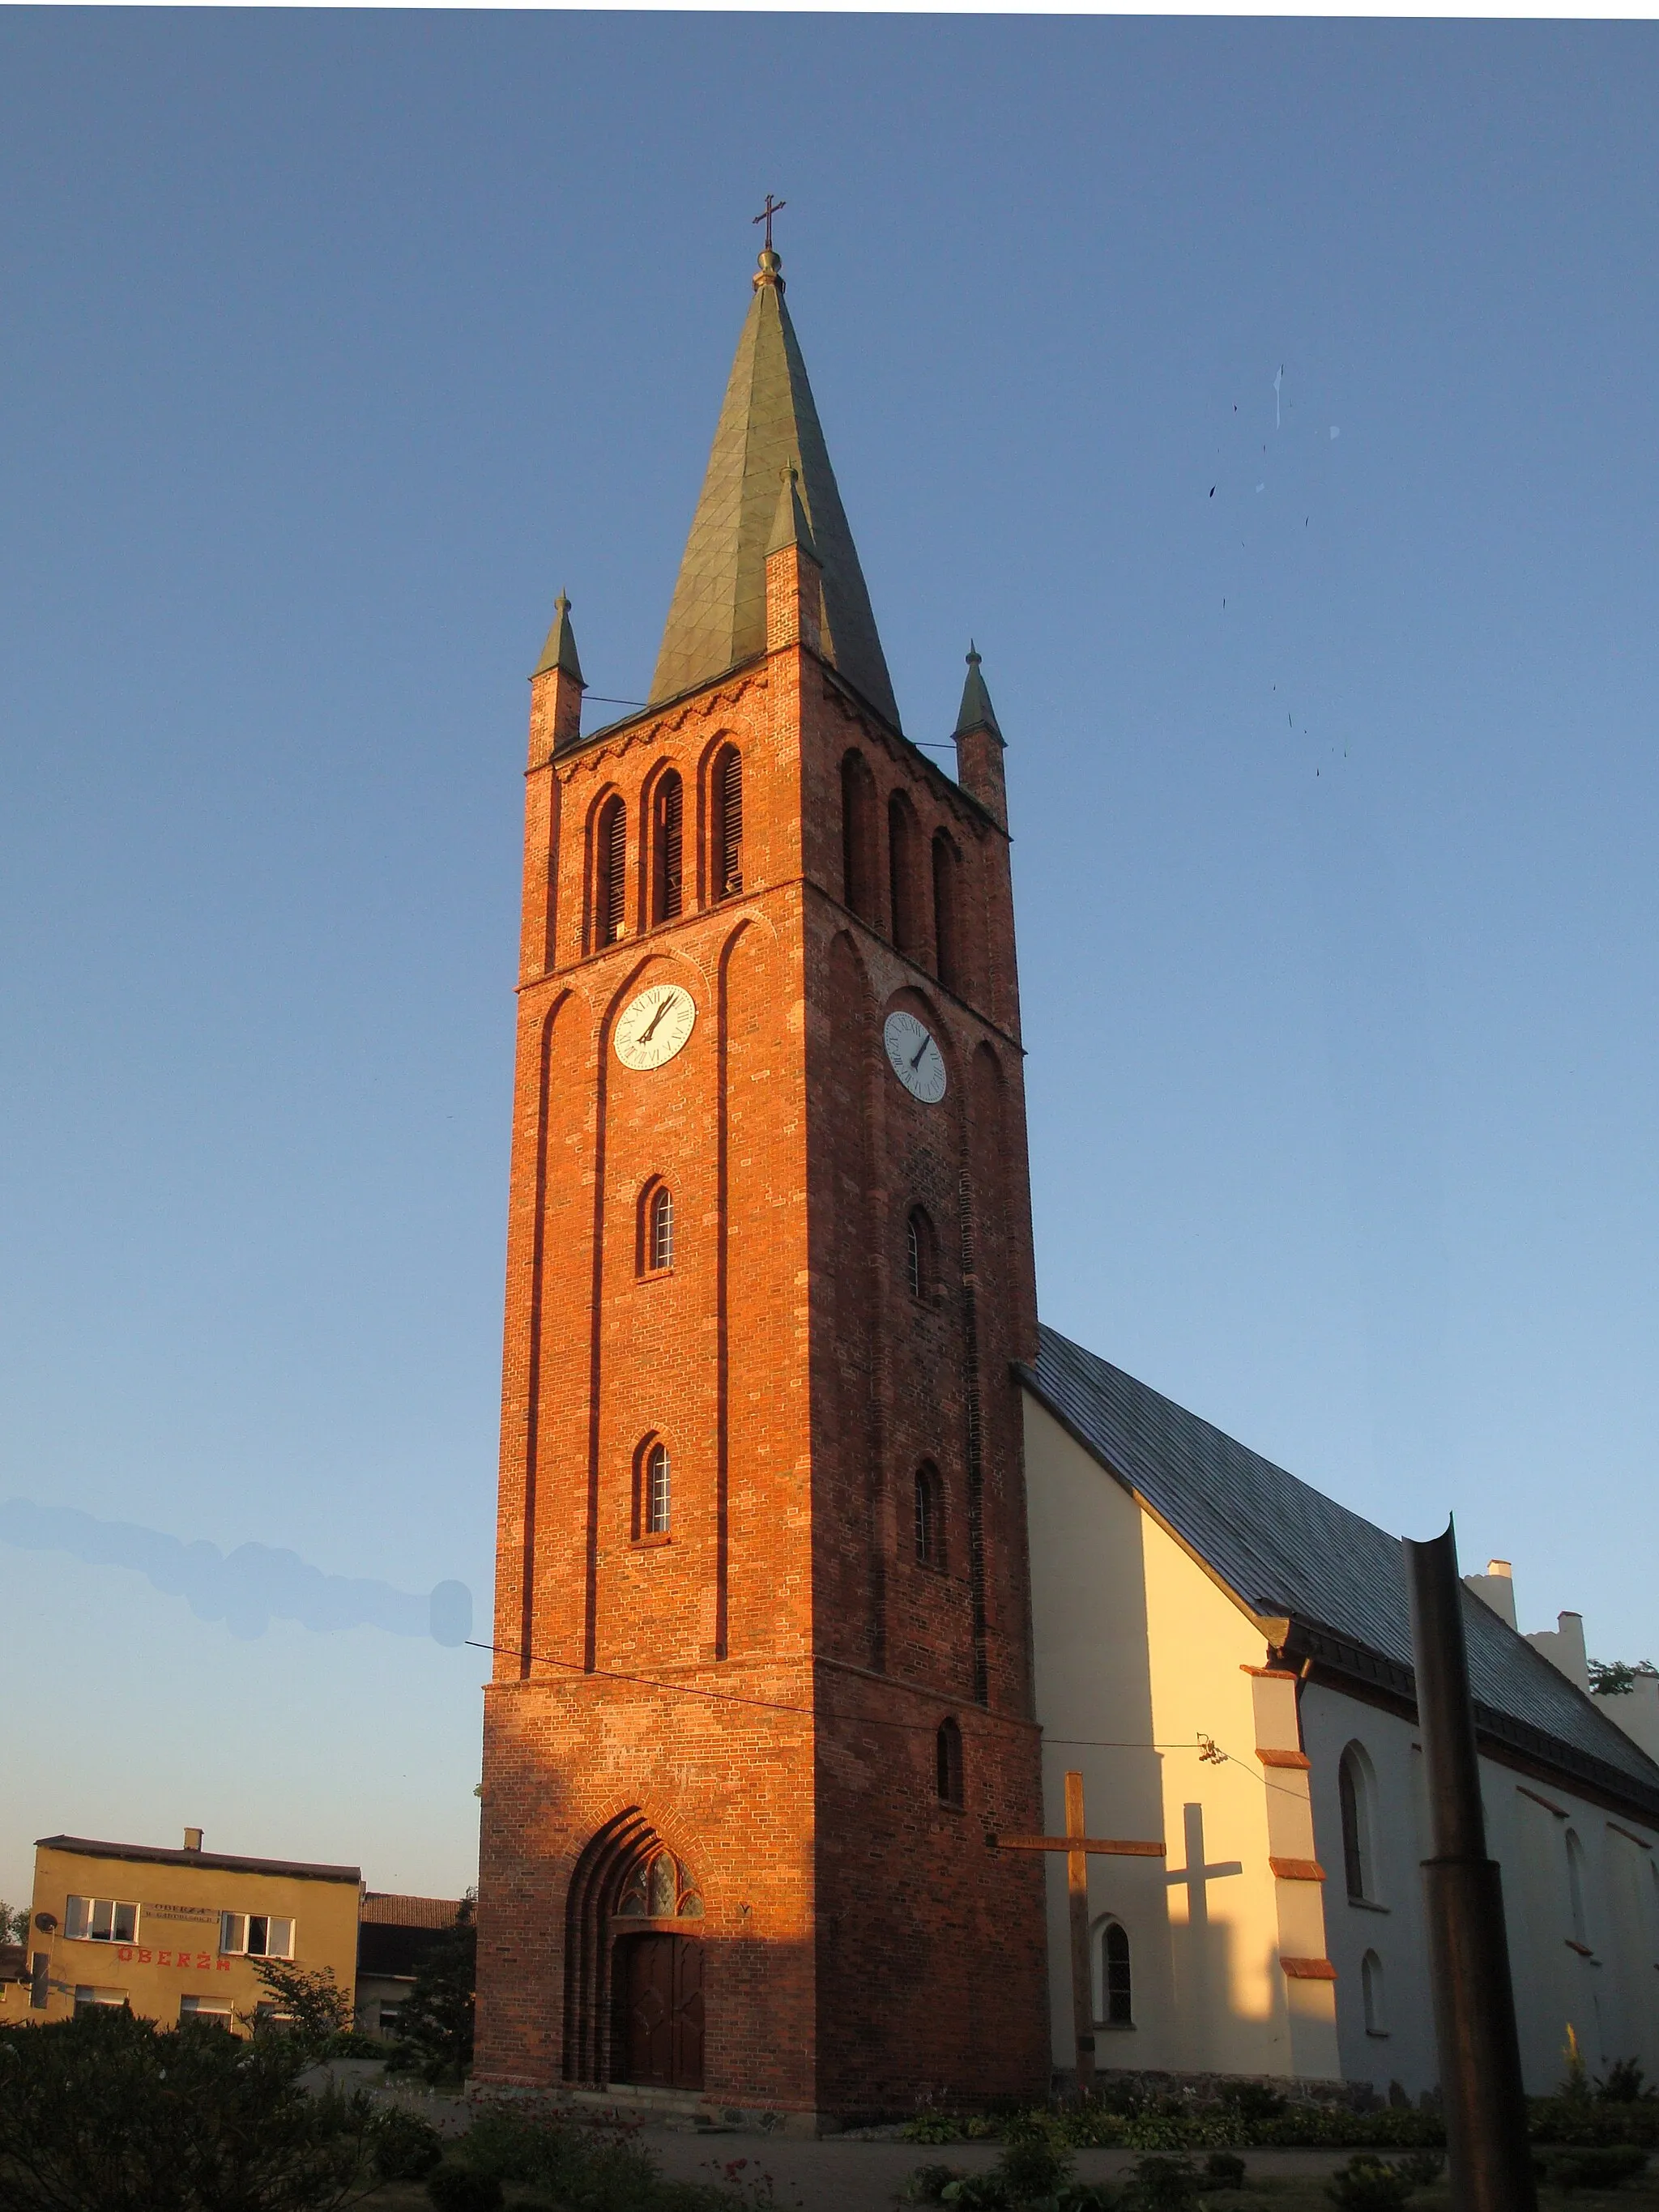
858,837
1354,1797
610,872
1372,1991
947,1752
728,823
920,1254
667,843
901,839
929,1516
658,1498
660,1230
947,964
1117,1976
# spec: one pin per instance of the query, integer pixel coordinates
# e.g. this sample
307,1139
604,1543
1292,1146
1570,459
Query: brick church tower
763,1678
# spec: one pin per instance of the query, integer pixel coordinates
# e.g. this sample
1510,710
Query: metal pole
1469,1950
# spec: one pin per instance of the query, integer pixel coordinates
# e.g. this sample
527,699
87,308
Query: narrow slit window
1372,1990
662,1227
728,823
669,810
929,1516
657,1497
921,1256
899,863
1117,1983
948,1763
1353,1797
946,963
611,887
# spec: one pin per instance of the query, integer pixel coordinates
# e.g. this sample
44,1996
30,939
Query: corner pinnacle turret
976,712
768,421
559,650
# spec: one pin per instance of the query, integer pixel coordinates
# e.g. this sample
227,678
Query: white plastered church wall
1136,1645
1610,1997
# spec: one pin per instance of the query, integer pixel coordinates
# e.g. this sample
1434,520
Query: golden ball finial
770,270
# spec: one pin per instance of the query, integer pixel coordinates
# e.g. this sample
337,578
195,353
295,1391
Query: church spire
976,711
768,421
559,650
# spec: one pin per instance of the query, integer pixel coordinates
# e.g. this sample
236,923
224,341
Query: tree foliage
308,2004
434,2026
1617,1678
106,2113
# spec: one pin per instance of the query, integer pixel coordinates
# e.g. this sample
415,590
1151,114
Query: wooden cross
772,207
1077,1844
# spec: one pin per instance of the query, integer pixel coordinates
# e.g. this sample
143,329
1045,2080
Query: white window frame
87,1910
236,1929
216,2008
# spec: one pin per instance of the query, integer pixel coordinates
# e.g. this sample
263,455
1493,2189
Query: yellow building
177,1934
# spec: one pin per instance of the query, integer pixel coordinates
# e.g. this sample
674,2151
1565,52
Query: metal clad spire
559,650
977,713
718,614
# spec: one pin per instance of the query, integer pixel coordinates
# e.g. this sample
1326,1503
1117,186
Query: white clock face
914,1058
655,1025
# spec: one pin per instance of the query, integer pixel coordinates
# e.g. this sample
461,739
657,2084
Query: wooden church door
663,2001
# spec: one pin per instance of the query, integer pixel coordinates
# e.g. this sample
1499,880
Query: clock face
655,1025
914,1058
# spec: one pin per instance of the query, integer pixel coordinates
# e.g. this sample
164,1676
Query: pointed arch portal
633,1975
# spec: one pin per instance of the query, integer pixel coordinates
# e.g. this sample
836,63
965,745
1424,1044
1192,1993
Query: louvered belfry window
670,812
610,891
662,1227
728,823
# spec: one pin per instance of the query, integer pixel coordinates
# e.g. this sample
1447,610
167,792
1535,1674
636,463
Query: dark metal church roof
1289,1552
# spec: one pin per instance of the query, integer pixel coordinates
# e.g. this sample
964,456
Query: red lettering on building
143,1957
164,1958
125,1952
224,1966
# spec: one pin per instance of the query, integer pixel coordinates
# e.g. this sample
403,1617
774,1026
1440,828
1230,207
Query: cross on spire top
772,207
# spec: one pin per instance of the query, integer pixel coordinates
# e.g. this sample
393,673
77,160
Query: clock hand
645,1034
920,1049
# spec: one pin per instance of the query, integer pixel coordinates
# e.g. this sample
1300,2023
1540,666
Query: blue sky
332,346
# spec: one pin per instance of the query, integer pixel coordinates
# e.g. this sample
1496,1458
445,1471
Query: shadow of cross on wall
1201,1985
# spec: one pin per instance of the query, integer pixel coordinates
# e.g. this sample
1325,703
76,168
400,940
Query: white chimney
192,1839
1564,1647
1496,1588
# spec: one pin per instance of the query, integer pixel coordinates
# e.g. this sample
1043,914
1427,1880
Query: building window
930,1516
1117,1981
728,823
657,1475
668,814
1353,1789
946,961
1370,1986
900,871
656,1229
255,1936
920,1254
1576,1890
610,872
89,1999
858,825
215,2010
947,1752
100,1920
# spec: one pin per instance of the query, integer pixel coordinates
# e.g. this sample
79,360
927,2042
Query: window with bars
656,1491
668,812
947,1750
929,1516
728,823
610,872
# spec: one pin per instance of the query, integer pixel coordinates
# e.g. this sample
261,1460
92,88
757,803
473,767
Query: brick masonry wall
862,1945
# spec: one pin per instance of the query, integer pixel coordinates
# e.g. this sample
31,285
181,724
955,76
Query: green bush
463,2189
927,2185
978,2192
1163,2185
1033,2165
1223,2169
1606,2166
106,2113
403,2147
1369,2184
